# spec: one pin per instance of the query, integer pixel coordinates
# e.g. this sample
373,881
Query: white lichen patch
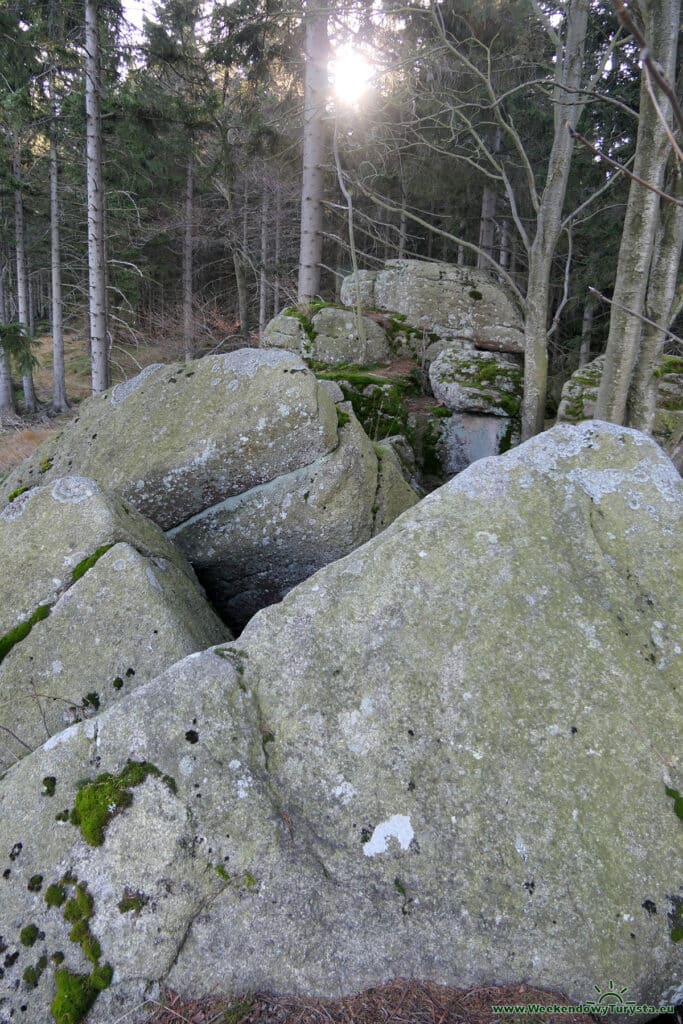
121,392
396,827
15,509
344,792
72,490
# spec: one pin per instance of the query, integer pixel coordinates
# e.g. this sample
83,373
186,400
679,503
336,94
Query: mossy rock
466,381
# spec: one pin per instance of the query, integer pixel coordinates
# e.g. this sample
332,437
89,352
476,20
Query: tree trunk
188,319
22,280
315,94
640,222
97,280
59,400
402,229
661,292
586,330
263,273
487,227
504,250
7,404
276,254
568,107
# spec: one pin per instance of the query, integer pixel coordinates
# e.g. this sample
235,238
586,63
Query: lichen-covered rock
94,602
449,301
477,382
465,735
252,549
177,439
210,451
328,335
580,395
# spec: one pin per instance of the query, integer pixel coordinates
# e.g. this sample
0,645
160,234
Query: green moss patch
100,800
669,364
20,632
87,563
74,997
132,902
55,895
677,799
28,935
15,494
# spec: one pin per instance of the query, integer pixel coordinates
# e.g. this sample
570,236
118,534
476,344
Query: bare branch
652,66
613,163
447,234
638,316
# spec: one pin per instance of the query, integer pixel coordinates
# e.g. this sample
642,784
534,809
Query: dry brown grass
398,1002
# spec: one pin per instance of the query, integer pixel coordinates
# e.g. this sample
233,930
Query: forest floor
397,1002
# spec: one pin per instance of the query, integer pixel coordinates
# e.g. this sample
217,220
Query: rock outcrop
443,300
483,393
328,335
453,754
94,602
580,395
243,458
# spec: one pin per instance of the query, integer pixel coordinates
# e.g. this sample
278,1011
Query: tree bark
97,267
188,319
276,253
315,94
30,402
59,400
586,330
661,292
568,106
7,404
263,272
402,229
640,222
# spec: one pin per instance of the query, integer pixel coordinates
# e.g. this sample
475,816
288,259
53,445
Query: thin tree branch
613,163
652,66
638,316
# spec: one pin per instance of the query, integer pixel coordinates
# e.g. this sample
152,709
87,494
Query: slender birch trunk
640,223
22,279
315,94
661,293
568,106
97,279
188,319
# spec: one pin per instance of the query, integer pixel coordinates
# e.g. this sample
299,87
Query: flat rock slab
94,602
452,755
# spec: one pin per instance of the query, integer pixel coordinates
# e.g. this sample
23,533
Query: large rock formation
454,754
443,300
242,457
94,602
